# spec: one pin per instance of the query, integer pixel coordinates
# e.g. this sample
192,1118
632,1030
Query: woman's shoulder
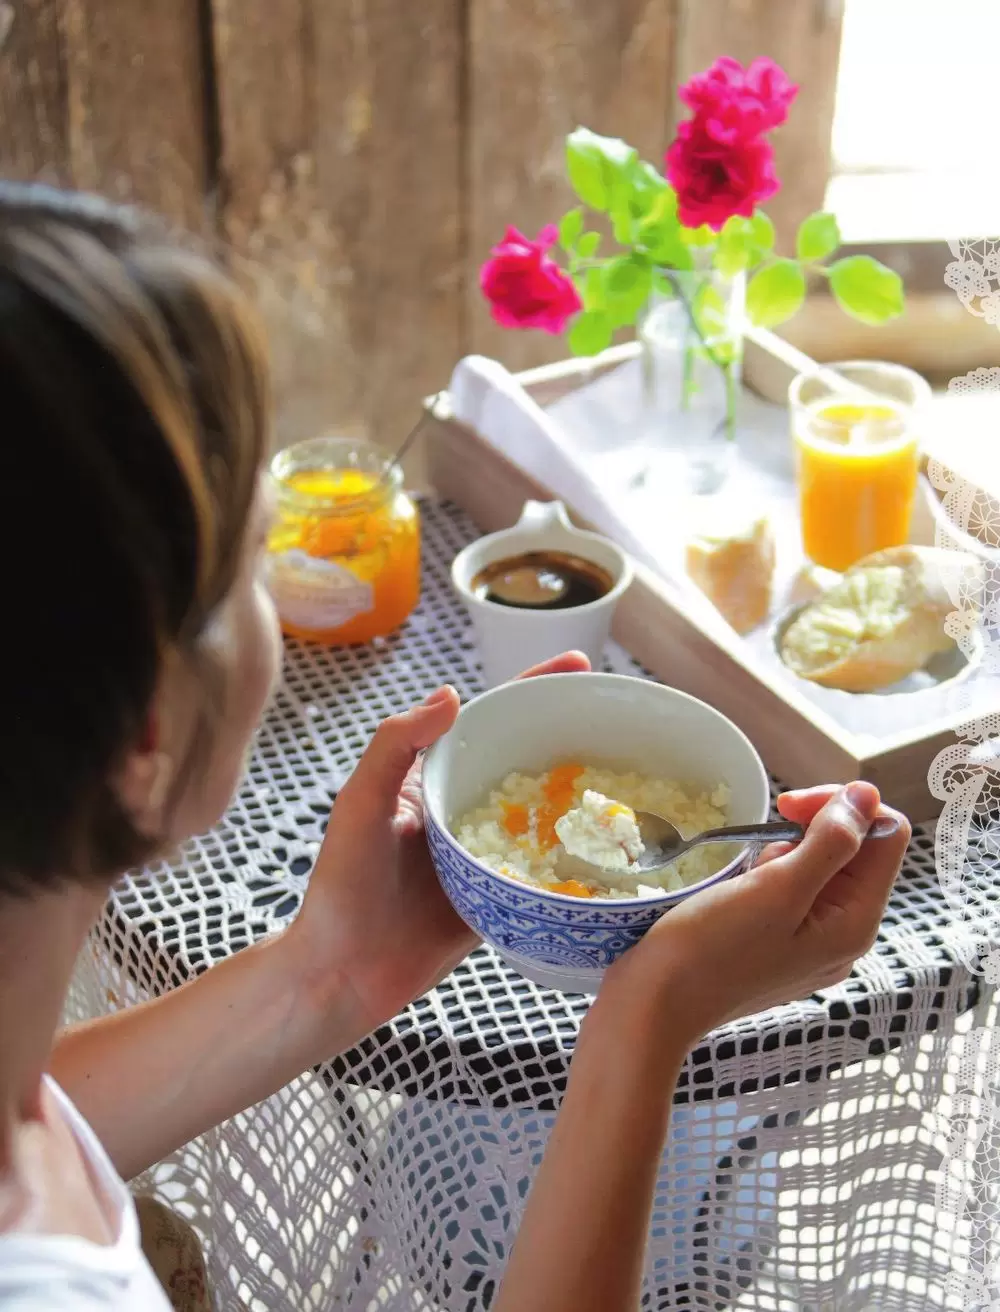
75,1244
60,1181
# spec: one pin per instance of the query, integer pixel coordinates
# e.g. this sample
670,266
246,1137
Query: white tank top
64,1273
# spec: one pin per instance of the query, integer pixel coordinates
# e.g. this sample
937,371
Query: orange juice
857,477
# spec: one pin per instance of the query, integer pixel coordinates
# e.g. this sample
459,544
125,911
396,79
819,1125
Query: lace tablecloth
798,1173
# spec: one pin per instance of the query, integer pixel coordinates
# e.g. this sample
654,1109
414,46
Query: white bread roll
882,621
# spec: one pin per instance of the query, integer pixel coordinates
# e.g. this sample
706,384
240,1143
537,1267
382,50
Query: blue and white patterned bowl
600,719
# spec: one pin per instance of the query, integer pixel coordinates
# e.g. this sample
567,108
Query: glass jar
343,555
857,458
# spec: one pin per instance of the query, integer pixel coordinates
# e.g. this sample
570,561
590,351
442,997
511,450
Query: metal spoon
427,414
663,843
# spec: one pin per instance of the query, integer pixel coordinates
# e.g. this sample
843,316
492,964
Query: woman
134,521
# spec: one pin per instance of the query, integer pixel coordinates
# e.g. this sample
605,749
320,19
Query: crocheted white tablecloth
801,1164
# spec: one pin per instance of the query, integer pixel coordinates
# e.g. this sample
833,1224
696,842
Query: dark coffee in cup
542,580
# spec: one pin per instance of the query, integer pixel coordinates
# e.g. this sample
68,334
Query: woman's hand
375,922
793,924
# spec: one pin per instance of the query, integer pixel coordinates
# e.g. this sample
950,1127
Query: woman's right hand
793,924
789,926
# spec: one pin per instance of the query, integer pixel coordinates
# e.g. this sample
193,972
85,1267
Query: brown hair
133,385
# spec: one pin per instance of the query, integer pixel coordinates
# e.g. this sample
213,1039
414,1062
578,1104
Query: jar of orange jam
343,555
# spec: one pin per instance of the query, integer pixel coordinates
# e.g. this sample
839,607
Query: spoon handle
779,831
775,831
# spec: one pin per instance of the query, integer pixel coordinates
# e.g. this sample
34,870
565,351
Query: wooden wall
357,158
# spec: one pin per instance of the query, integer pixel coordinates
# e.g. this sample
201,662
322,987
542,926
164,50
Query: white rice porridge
514,831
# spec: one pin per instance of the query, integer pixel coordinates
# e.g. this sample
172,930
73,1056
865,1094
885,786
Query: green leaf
663,210
761,234
595,165
709,310
586,175
627,280
775,292
866,289
590,332
592,288
672,253
664,243
651,195
732,254
702,236
727,350
587,246
570,228
818,235
625,273
621,215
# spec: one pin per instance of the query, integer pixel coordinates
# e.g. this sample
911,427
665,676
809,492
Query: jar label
316,594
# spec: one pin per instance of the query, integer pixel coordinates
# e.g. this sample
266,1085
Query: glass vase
692,358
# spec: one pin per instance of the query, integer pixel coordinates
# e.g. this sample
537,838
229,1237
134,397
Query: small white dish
511,639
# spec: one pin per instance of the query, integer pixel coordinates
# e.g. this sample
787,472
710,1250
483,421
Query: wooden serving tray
799,742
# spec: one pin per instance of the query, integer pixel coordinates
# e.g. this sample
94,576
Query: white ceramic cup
511,639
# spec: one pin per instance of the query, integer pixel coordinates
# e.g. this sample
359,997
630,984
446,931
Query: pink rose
715,180
525,286
736,103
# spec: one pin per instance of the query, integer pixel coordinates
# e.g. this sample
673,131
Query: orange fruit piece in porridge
516,818
560,791
572,888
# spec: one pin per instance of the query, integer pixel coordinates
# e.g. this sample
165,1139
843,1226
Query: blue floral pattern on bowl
558,941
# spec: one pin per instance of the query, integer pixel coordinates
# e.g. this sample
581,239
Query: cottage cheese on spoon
601,831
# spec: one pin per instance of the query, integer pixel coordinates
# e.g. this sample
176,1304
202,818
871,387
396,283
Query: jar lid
334,473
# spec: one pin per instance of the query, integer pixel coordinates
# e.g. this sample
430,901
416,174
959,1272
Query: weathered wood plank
269,212
136,118
340,129
803,36
537,69
264,76
401,130
33,129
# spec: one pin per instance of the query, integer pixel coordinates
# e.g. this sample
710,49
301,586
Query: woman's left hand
375,921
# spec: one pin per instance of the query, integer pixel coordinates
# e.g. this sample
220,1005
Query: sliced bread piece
882,621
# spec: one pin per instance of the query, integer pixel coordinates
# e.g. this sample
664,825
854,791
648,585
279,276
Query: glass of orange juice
857,457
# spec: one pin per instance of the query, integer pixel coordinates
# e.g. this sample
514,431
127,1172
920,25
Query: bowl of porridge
563,762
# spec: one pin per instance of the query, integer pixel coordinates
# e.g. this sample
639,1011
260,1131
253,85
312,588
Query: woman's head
140,647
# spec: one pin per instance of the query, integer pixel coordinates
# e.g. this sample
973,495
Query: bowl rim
565,899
